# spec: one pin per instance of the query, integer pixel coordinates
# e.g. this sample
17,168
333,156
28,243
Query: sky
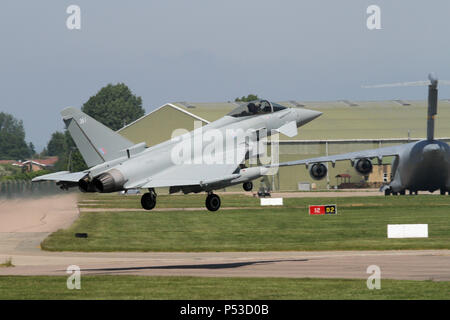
208,50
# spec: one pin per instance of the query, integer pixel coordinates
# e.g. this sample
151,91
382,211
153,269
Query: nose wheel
212,202
148,200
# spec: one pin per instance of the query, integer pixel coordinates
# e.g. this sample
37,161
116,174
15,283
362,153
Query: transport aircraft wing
352,156
387,151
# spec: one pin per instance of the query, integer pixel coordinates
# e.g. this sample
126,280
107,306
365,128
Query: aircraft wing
372,153
188,174
61,176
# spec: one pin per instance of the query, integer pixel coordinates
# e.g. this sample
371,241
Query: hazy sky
207,50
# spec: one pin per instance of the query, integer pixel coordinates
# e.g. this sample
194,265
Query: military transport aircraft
206,159
422,165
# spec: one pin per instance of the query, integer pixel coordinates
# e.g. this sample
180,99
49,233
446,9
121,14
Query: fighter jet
208,158
418,166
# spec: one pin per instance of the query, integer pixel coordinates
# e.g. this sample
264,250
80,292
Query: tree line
12,139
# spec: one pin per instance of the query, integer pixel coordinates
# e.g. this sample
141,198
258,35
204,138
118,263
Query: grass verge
190,288
361,224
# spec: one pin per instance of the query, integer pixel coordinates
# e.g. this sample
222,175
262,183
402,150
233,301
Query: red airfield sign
323,209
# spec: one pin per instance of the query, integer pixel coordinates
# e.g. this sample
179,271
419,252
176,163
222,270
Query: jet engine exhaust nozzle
86,186
110,181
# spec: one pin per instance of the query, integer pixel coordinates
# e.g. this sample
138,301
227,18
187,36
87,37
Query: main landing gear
212,202
148,200
389,191
248,186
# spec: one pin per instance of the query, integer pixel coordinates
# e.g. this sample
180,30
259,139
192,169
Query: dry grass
7,264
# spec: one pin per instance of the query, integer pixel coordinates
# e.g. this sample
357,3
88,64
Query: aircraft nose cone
305,115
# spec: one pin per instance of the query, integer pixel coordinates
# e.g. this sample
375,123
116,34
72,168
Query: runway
22,230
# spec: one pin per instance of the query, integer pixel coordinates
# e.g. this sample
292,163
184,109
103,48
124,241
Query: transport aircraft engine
110,181
364,166
318,171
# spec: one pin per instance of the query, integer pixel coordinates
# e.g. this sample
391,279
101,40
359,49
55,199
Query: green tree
12,138
43,153
32,149
57,144
250,97
114,106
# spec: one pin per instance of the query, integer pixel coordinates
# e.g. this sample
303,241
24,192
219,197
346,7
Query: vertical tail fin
96,142
432,106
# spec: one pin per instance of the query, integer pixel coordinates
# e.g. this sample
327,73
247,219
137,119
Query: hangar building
345,126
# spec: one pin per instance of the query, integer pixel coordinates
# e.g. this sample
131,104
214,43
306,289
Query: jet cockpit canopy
254,108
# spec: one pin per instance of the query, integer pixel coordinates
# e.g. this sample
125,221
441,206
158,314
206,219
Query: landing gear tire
248,186
212,202
148,200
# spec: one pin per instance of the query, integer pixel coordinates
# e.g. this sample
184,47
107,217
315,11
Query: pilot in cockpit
255,108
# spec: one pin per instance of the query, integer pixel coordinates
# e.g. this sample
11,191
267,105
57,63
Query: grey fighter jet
422,165
206,159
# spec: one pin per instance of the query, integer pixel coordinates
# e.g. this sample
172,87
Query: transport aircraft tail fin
432,106
432,84
96,142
